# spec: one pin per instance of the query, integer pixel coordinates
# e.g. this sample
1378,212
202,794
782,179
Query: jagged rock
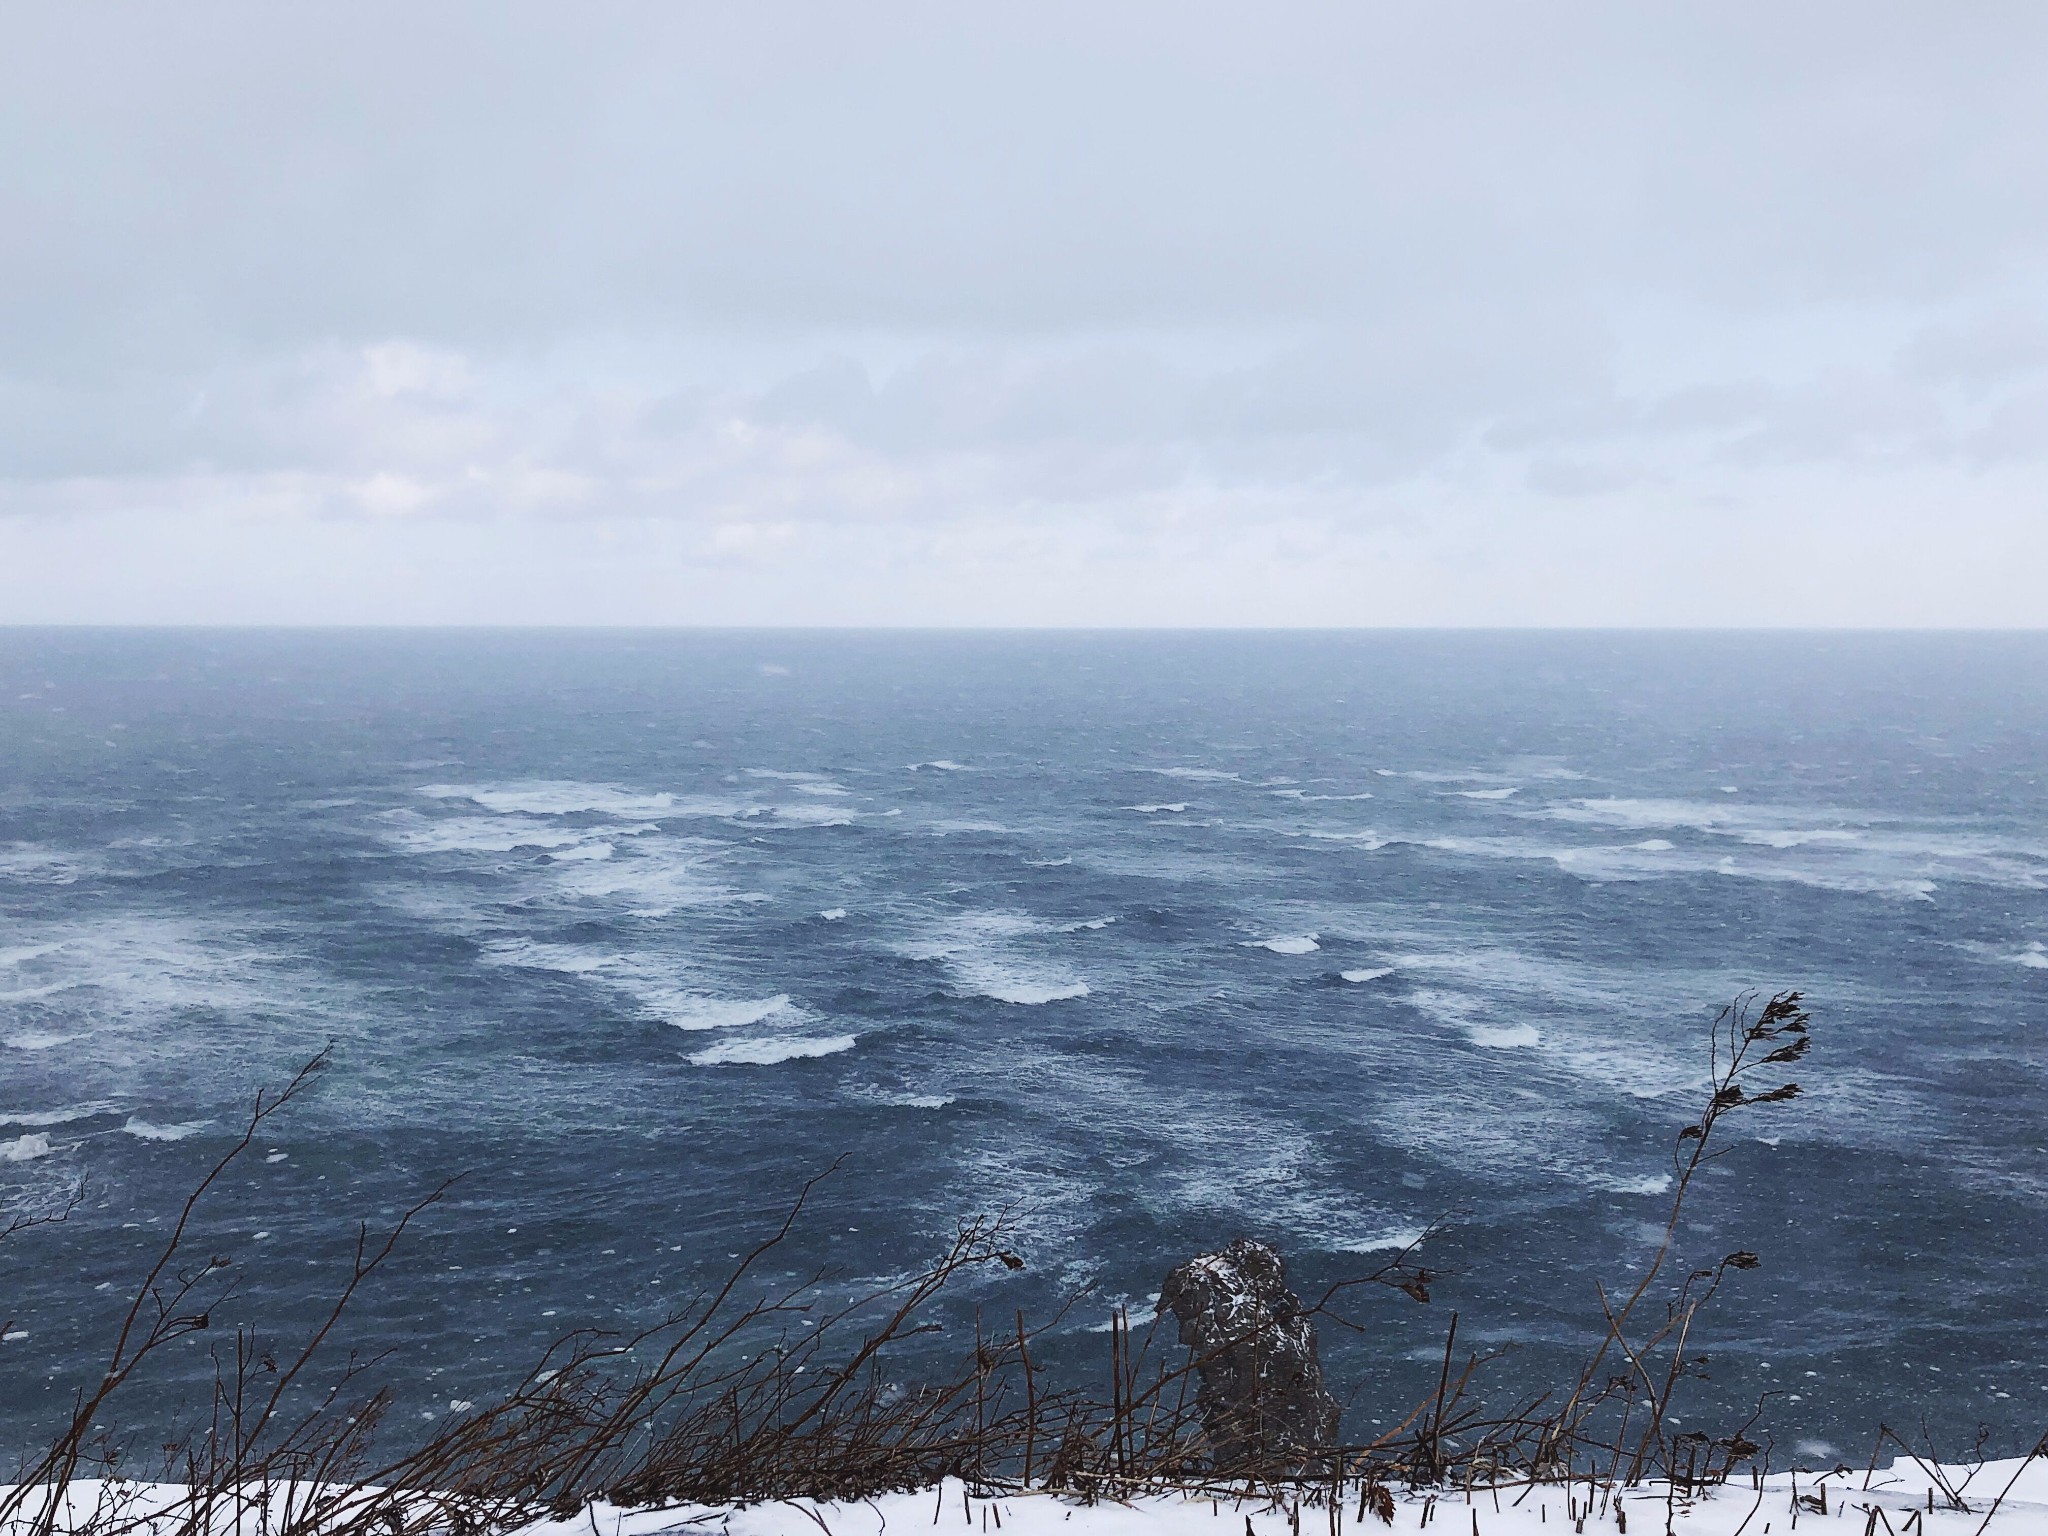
1262,1397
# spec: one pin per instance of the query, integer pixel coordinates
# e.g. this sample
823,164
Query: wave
1384,1239
984,954
1657,858
486,834
1485,794
564,797
1008,983
1434,776
533,955
833,914
38,1039
1153,810
943,765
1372,975
766,1052
724,1013
1505,1037
2034,957
796,816
177,1132
1647,1184
33,863
902,1100
35,1117
1289,944
1196,775
25,1149
12,957
654,881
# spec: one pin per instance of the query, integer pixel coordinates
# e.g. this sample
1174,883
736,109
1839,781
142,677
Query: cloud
948,301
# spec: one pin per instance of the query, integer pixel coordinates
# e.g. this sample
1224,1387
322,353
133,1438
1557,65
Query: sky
1043,313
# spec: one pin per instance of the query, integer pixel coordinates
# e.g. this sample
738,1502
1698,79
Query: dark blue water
1158,938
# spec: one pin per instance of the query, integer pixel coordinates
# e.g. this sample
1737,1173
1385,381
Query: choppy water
1161,937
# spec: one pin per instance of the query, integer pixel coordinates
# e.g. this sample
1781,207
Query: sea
1138,942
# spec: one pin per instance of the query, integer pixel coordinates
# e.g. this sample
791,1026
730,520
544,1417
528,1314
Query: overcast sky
1035,313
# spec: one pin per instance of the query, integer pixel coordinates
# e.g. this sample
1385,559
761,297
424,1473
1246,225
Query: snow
1899,1494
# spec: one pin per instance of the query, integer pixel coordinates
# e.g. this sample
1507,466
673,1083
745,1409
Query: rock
1262,1397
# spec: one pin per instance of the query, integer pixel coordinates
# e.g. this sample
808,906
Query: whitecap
38,1039
1048,863
982,952
1289,944
1087,925
2032,957
768,1051
584,852
566,958
723,1013
943,765
26,952
484,834
833,914
805,816
1368,840
25,1148
1484,794
147,1131
564,797
1014,984
1508,1037
1647,1184
46,866
1153,810
54,1116
1373,975
908,1100
1380,1242
1198,775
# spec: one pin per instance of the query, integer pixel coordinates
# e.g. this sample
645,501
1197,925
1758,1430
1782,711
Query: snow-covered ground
1900,1493
2004,1498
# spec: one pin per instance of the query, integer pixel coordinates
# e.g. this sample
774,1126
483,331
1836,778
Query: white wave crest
1154,810
147,1131
771,1049
561,797
25,1148
724,1013
986,954
1372,975
484,834
1647,1184
34,1117
1288,944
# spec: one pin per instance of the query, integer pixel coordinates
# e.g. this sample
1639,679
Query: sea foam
771,1049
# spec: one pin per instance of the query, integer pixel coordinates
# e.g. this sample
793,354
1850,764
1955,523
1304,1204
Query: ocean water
1149,939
